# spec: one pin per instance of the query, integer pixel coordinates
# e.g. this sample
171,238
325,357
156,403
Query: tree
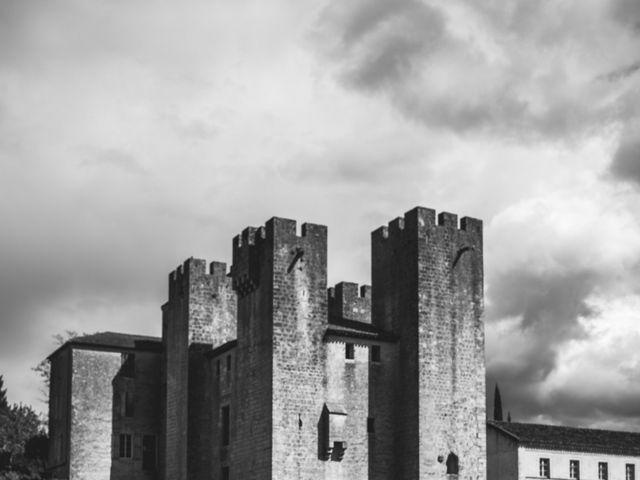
44,367
23,442
4,405
497,404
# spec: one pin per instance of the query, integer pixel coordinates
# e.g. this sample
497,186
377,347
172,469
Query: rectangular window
149,446
371,425
603,471
128,365
574,469
225,473
349,351
225,425
630,472
544,467
125,445
126,404
375,353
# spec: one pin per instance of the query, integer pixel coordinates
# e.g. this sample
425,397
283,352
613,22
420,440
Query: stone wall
59,413
91,413
428,289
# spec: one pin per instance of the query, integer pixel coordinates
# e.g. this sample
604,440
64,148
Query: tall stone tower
280,279
201,310
427,281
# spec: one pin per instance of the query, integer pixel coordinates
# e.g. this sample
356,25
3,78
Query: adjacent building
263,372
519,451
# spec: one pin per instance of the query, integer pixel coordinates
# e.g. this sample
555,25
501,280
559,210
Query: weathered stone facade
264,373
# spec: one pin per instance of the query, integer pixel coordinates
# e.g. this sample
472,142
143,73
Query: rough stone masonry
265,373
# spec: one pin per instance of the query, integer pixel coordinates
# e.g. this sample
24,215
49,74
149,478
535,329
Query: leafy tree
4,405
44,367
23,443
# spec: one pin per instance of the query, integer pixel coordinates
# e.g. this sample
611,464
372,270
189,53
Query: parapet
419,220
254,245
347,301
192,269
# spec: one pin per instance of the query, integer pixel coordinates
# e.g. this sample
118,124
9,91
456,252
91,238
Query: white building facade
519,451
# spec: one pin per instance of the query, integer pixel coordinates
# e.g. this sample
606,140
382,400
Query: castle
265,373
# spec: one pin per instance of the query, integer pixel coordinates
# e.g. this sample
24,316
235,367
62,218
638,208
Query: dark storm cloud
505,74
626,160
549,306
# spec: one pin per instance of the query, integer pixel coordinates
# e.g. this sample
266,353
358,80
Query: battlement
255,244
421,219
194,268
347,301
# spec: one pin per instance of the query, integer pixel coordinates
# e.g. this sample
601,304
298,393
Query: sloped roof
341,327
553,437
114,340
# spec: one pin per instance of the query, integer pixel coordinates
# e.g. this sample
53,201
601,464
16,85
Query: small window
128,365
225,473
574,469
349,351
371,425
603,471
452,464
544,468
149,452
125,445
375,353
630,472
225,425
126,407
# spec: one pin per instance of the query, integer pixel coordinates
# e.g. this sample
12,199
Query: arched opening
452,464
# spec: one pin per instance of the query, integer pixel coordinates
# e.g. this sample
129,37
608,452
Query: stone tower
201,310
281,282
427,281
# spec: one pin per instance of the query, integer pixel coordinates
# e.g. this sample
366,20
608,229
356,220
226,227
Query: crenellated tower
281,282
200,313
427,281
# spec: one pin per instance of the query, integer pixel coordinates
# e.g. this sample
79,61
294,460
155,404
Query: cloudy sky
134,134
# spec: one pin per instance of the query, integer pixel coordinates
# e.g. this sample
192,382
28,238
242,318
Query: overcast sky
134,134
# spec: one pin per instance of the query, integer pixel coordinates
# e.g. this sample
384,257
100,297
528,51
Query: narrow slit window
371,425
125,445
349,351
225,425
375,353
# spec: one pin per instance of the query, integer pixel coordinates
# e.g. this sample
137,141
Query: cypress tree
497,405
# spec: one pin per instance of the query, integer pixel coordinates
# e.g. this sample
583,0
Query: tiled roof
340,327
552,437
114,340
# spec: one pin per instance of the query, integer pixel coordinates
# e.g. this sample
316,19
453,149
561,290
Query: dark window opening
603,471
128,368
125,445
225,473
452,464
375,353
349,351
149,456
630,472
574,469
127,404
225,425
544,468
371,425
